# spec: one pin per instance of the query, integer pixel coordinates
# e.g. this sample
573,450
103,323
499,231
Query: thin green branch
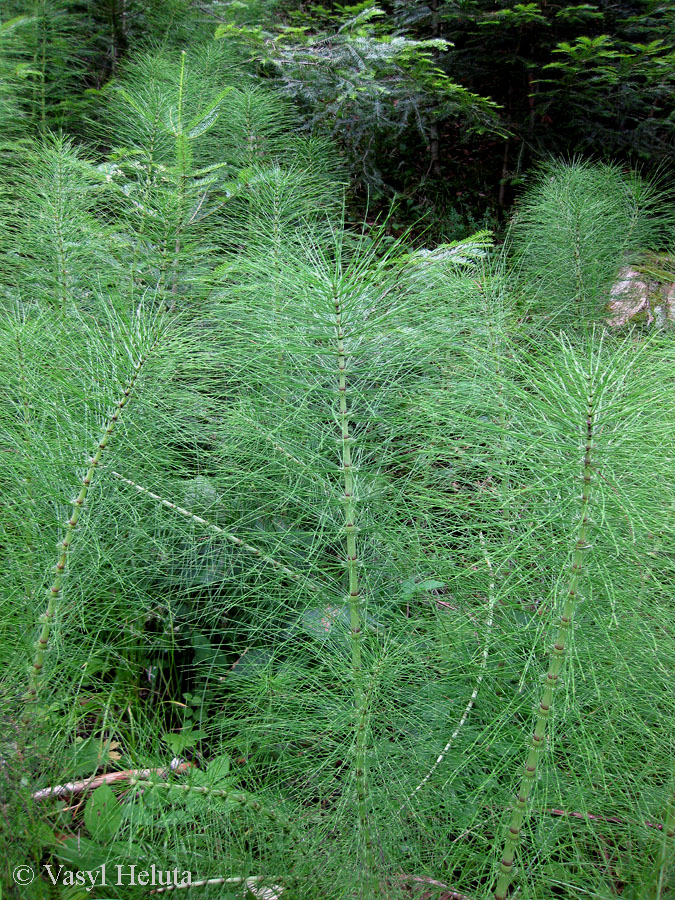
241,797
238,542
474,693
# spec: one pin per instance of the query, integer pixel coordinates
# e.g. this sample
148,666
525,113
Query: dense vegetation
338,561
441,105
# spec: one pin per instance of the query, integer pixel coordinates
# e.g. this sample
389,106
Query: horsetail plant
54,590
575,227
362,466
538,739
356,621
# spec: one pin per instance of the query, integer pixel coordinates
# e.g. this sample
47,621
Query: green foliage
445,105
328,506
574,230
46,60
360,83
54,246
619,81
10,72
591,78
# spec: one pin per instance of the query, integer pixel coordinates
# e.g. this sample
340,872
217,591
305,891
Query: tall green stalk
47,618
355,603
39,63
538,738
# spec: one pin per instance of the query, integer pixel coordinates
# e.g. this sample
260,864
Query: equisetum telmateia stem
54,590
243,798
538,738
354,600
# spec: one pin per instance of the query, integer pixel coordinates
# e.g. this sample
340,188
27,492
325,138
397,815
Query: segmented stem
54,590
355,603
249,548
555,666
241,797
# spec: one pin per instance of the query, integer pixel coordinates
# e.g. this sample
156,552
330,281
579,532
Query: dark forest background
439,106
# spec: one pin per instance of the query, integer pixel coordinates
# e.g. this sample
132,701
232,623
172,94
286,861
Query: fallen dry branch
90,784
612,820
